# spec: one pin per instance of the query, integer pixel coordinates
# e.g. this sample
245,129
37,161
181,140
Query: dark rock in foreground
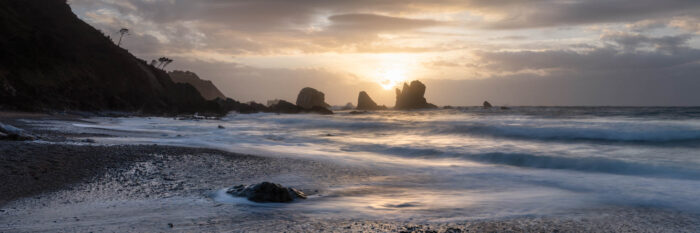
364,102
309,98
266,192
411,97
487,104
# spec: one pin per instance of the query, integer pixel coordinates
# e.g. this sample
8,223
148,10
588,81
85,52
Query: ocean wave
589,164
525,160
582,131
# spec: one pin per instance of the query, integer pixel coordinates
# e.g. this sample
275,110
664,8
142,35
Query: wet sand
65,185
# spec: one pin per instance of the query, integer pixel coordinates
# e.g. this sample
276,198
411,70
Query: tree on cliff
122,32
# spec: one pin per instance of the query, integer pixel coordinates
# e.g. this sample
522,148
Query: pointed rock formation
487,104
364,102
309,98
411,97
205,87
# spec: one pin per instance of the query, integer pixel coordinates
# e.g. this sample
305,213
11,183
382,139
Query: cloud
522,51
373,22
551,13
620,73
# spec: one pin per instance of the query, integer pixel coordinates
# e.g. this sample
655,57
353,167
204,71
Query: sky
509,52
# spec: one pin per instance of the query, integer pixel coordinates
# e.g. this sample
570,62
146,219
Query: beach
65,183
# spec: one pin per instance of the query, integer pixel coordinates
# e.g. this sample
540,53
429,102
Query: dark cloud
667,52
619,74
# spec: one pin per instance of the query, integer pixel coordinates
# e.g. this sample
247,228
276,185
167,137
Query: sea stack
364,102
309,98
411,97
487,104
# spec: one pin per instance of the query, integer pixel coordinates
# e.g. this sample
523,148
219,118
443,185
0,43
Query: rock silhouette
487,104
266,192
411,97
309,98
364,102
282,106
53,61
205,87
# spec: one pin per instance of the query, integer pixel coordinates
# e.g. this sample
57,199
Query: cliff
51,60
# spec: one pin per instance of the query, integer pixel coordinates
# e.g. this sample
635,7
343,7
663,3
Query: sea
463,163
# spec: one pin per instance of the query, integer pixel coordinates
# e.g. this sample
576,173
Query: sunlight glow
391,77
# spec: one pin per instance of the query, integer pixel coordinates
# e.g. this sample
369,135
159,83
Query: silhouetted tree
122,32
161,61
167,62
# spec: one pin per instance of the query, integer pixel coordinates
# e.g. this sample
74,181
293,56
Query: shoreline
59,186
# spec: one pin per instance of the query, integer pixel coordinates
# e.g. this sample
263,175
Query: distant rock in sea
364,102
205,87
347,106
487,104
309,98
411,97
282,106
266,192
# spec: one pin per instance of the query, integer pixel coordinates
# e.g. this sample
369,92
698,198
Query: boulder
411,97
364,102
309,98
266,192
487,104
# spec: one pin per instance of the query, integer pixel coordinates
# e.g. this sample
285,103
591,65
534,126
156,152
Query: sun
391,77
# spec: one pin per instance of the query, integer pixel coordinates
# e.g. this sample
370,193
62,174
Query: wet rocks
364,102
411,97
309,98
266,192
487,104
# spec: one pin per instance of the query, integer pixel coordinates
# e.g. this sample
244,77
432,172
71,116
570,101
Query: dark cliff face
205,87
51,60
